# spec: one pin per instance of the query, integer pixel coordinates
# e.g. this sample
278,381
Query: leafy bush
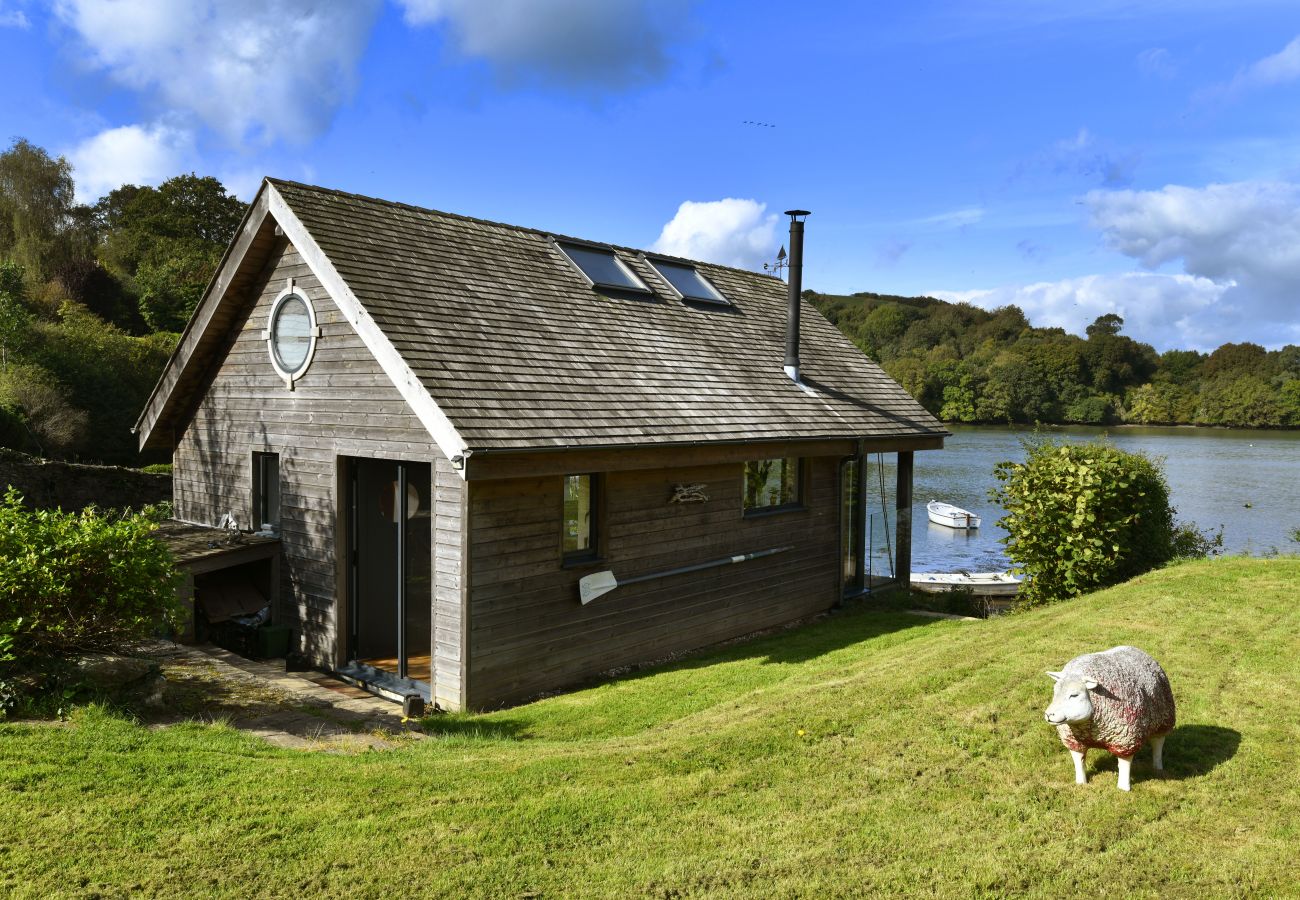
52,425
1083,516
74,583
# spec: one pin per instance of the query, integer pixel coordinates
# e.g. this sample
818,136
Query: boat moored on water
951,516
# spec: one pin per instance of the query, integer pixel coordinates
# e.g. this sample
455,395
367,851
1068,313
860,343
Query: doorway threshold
383,684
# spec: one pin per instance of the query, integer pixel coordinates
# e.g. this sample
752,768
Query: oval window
291,335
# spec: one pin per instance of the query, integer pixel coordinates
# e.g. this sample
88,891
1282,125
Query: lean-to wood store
451,422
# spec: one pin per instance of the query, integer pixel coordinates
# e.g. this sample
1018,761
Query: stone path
299,710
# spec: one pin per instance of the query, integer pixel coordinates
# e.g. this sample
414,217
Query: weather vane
777,267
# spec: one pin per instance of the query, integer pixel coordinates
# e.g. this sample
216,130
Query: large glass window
580,517
771,484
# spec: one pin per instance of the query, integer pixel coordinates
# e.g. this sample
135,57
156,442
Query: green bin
273,641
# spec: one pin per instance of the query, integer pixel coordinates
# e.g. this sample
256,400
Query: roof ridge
524,228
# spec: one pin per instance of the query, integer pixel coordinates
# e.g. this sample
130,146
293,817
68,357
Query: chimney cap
792,213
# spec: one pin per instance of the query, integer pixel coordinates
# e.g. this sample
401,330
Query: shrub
74,583
1083,516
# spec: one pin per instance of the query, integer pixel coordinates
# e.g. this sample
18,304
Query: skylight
603,268
688,282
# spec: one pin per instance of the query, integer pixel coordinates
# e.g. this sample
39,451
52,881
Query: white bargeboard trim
431,416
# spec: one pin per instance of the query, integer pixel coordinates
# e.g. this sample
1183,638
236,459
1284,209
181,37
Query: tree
165,242
87,282
884,327
1239,399
36,209
1237,359
1114,361
15,320
1105,325
1181,366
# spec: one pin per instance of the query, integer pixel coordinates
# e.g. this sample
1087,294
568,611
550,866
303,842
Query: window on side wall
266,491
581,520
771,484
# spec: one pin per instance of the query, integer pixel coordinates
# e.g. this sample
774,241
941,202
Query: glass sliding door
868,538
851,521
417,573
390,569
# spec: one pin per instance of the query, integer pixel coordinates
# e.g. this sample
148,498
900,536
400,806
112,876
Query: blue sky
1140,158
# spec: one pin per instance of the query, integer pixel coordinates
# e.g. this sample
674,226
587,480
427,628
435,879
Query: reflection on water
1246,481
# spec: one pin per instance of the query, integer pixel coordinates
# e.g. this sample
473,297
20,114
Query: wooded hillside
92,298
967,364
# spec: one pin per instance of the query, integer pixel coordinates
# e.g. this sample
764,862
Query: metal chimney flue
795,269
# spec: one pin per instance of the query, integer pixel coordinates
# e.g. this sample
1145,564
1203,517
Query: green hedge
1083,516
74,583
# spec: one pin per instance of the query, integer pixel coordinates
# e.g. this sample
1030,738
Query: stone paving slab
310,715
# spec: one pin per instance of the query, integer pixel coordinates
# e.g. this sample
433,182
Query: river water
1246,481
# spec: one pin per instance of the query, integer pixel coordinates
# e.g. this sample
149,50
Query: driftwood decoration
689,493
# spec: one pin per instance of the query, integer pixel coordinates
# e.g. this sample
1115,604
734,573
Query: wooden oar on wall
600,583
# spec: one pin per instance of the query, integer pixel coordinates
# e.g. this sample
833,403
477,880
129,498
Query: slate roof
520,353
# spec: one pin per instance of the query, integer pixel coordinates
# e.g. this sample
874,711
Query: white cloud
131,154
1157,62
13,18
1166,311
953,218
1238,246
1244,236
1247,231
606,43
1280,68
269,69
730,232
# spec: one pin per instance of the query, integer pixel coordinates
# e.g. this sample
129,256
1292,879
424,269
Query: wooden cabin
450,422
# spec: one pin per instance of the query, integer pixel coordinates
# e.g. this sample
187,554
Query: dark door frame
399,682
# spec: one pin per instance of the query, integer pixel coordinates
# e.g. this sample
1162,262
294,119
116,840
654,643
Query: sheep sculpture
1115,700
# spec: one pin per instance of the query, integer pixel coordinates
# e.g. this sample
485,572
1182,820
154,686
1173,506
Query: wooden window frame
291,292
593,554
795,505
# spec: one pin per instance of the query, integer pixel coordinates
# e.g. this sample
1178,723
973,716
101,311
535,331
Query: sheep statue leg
1125,763
1157,753
1080,775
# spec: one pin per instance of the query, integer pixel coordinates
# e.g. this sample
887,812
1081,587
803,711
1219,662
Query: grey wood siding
344,405
528,631
448,587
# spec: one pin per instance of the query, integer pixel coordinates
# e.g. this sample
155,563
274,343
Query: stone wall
46,484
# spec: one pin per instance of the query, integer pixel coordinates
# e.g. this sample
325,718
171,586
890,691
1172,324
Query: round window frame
313,334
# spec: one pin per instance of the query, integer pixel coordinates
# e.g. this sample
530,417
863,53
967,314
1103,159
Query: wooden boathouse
449,423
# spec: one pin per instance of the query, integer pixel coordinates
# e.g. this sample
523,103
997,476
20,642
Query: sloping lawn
872,753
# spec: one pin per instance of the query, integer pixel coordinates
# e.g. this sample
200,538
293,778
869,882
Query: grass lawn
871,753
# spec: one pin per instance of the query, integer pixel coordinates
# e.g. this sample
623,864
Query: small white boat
952,516
981,584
